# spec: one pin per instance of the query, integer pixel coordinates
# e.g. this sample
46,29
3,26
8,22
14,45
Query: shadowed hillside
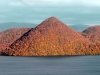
51,38
9,36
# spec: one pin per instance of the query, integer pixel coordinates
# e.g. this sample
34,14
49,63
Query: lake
68,65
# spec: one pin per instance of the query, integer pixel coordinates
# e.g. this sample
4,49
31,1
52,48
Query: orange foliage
92,33
9,36
51,38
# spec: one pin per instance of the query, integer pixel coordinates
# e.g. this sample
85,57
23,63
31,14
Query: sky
35,11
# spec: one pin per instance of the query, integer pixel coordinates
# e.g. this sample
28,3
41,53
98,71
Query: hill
92,33
9,36
50,38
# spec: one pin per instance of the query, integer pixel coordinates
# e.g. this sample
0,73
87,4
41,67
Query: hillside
9,36
50,38
92,33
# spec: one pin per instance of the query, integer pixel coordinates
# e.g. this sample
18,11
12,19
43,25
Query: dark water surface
69,65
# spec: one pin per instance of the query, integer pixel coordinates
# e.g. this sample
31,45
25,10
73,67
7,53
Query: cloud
15,3
86,3
94,3
69,11
69,3
2,16
28,2
39,2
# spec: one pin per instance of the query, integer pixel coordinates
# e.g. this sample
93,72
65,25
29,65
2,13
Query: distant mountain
9,36
79,27
50,38
8,25
92,33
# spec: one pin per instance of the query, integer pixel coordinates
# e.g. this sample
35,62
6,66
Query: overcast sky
35,11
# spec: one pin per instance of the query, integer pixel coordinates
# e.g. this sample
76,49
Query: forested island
50,38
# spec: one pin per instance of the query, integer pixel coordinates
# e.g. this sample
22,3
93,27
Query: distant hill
9,36
50,38
79,27
8,25
92,33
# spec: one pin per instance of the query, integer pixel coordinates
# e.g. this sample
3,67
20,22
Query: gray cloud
35,11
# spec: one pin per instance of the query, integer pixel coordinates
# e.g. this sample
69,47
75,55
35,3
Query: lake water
69,65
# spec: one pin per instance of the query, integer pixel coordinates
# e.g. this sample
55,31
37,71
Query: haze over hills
79,27
8,25
9,36
52,37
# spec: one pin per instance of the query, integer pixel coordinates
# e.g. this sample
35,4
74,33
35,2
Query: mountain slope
51,38
92,33
9,36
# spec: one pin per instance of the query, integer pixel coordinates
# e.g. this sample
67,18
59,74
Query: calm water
73,65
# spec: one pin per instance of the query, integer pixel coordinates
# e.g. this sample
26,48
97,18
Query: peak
51,19
53,22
